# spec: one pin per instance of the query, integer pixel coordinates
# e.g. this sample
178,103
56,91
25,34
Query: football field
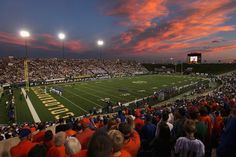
79,98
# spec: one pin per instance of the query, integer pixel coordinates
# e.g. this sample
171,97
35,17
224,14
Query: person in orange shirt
217,128
22,149
86,134
117,139
138,122
40,135
204,117
48,139
72,147
132,139
70,132
59,149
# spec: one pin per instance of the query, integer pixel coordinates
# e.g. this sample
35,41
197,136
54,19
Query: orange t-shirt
70,132
133,145
82,153
39,137
22,149
57,152
123,153
218,125
48,144
84,137
139,123
207,120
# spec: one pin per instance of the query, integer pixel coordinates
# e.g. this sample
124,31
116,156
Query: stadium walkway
31,107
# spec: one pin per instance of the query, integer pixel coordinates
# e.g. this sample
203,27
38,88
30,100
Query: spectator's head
72,146
182,112
148,119
111,124
117,139
59,139
85,122
189,126
193,113
48,136
41,126
100,145
233,109
38,150
203,111
165,116
164,130
1,137
125,129
25,133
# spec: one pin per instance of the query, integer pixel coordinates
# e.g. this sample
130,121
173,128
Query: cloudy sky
142,29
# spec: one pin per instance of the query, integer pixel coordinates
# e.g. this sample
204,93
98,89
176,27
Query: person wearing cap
86,134
22,149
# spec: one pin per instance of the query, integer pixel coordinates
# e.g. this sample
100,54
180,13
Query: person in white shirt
188,146
164,118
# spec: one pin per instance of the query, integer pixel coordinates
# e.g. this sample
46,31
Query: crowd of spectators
185,128
12,69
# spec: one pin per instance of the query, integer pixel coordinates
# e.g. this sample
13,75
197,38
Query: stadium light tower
100,44
62,37
25,35
174,63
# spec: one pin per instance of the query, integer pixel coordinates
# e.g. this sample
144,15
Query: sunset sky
141,29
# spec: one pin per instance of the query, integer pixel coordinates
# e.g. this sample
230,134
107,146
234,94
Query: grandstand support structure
26,73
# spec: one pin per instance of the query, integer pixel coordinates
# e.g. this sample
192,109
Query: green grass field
78,98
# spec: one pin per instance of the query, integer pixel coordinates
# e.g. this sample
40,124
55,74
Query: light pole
100,44
173,62
62,37
25,35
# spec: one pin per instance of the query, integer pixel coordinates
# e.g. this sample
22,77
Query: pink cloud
202,19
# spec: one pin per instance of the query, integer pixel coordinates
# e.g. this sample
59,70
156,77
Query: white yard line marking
74,104
31,107
84,98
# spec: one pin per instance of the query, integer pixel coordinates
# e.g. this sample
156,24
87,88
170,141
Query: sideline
31,107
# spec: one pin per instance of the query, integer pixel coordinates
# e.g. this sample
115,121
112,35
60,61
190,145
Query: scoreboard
194,58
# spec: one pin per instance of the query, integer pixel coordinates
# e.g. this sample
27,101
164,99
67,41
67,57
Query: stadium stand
200,125
41,70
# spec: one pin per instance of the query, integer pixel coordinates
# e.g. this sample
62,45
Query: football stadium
128,78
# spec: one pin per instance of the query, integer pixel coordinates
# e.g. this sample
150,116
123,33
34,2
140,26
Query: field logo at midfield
141,91
125,94
139,82
57,109
105,99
